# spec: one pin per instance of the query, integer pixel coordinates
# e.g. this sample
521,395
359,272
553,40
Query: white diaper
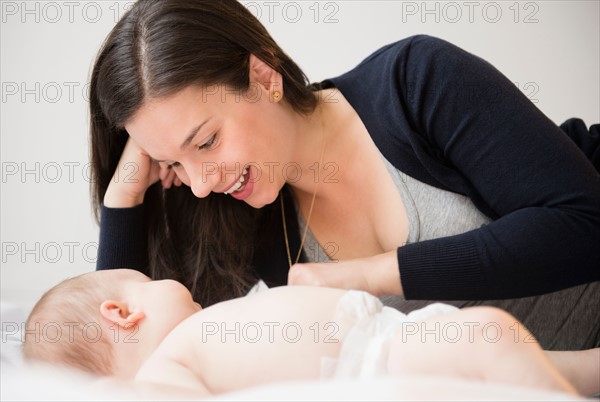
365,348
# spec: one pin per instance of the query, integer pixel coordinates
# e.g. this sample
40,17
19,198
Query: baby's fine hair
64,326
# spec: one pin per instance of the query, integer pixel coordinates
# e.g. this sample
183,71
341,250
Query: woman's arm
451,117
123,236
544,192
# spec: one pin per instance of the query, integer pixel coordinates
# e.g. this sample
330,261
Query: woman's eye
208,144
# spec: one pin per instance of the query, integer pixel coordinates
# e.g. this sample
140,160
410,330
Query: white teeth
235,187
238,184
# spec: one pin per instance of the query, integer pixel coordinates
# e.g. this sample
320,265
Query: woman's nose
203,179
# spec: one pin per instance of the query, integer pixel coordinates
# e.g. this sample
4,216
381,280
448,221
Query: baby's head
54,330
98,322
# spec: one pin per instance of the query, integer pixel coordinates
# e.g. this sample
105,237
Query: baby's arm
169,375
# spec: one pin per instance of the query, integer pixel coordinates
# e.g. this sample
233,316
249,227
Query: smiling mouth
240,184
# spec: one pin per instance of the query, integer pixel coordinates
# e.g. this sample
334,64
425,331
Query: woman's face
216,139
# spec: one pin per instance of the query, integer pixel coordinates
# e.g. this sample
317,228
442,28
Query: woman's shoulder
422,43
420,51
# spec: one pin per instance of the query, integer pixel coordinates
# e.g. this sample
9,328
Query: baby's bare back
276,335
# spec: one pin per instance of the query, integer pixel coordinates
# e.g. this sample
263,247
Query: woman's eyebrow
188,139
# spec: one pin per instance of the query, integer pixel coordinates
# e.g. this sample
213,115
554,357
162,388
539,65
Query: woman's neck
323,147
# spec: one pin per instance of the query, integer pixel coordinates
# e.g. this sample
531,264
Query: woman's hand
378,275
135,172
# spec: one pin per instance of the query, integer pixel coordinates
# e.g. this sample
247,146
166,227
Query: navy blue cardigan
450,119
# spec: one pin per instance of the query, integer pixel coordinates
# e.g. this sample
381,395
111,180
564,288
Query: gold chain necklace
312,204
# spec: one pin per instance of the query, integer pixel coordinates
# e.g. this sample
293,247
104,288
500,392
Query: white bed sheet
49,384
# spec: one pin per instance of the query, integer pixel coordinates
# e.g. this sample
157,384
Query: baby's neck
127,363
129,354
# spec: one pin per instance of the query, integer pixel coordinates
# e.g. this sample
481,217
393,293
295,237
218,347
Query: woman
423,171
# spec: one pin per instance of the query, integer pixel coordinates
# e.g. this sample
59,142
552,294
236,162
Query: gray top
431,213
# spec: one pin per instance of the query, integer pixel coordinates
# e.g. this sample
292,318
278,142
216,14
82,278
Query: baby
121,323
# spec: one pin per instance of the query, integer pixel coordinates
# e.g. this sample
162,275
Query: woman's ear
263,75
118,312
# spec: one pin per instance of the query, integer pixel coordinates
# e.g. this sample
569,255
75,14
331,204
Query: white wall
550,48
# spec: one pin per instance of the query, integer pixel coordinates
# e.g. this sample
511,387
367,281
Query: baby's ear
118,312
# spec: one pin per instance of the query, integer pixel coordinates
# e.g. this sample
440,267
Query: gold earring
276,95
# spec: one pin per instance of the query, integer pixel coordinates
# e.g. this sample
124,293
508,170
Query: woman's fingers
343,275
177,181
134,173
378,275
305,274
163,173
170,176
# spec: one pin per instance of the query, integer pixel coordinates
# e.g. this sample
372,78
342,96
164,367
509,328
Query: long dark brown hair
157,49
